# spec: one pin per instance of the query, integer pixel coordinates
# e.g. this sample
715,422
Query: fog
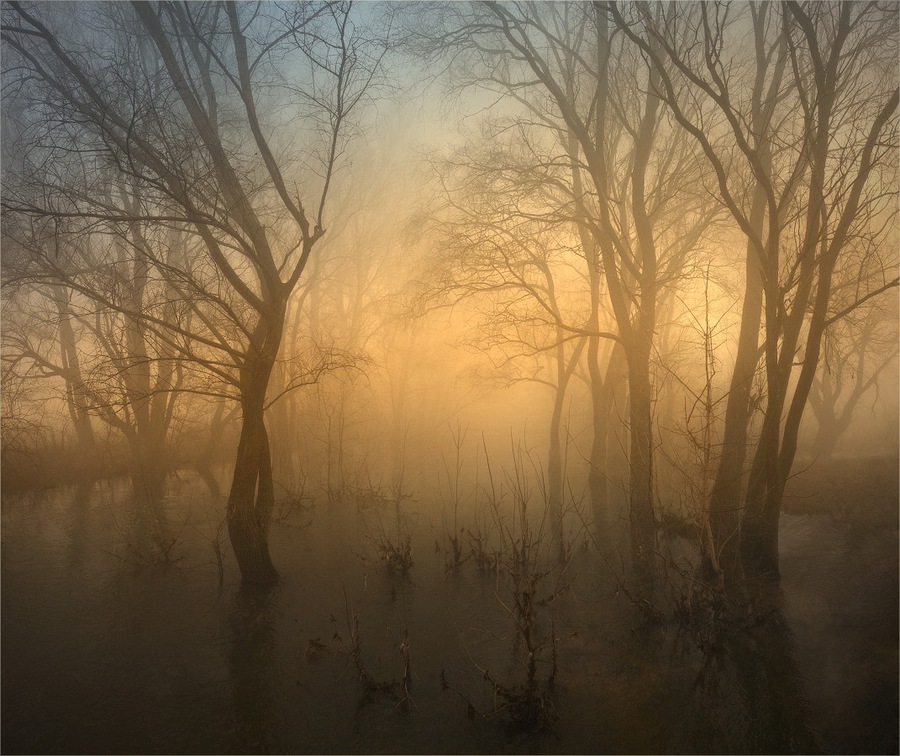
489,307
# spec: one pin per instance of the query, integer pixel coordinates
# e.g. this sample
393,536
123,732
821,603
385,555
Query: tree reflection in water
251,657
105,656
749,694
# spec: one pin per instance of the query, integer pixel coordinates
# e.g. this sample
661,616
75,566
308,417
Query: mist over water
105,652
449,377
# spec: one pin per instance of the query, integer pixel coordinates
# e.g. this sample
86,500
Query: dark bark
77,401
640,342
205,459
643,525
251,498
597,470
727,490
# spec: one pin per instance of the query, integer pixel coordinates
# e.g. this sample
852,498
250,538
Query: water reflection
749,692
251,660
773,686
144,522
103,657
79,526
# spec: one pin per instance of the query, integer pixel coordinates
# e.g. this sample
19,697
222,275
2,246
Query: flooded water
118,637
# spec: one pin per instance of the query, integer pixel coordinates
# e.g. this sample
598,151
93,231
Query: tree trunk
252,495
148,471
251,498
76,398
830,429
597,471
759,530
643,525
725,497
555,484
640,344
775,453
207,456
759,538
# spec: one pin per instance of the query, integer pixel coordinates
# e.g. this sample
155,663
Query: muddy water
118,637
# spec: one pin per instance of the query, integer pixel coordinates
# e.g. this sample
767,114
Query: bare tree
598,100
38,343
189,102
856,350
808,96
495,253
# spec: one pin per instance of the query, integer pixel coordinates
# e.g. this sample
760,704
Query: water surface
118,637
